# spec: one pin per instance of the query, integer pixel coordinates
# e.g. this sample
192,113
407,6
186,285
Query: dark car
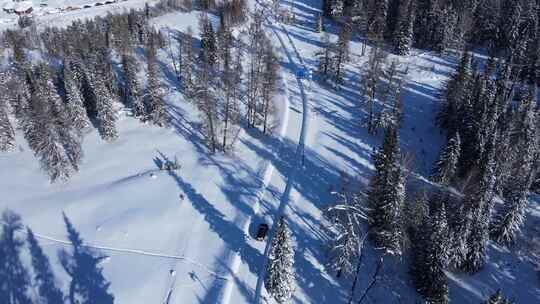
262,231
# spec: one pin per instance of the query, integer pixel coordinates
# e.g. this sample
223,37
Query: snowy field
186,236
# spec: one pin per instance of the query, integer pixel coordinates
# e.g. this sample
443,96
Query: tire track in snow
234,265
286,196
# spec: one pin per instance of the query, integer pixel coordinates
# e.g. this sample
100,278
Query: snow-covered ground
187,236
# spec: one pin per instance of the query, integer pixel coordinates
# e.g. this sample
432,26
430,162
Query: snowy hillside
188,235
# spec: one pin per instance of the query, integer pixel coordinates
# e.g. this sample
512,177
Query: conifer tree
208,40
106,116
509,221
473,231
44,278
370,84
376,12
132,92
14,278
188,63
88,285
157,113
279,280
446,167
430,256
7,135
404,32
498,298
74,99
341,54
324,56
386,195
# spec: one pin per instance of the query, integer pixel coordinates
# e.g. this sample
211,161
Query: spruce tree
88,285
279,280
376,12
44,278
341,54
188,63
154,97
208,40
446,167
14,278
132,91
7,135
498,298
74,99
509,221
386,195
430,256
404,32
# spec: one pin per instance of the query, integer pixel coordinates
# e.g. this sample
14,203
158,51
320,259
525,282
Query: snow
186,236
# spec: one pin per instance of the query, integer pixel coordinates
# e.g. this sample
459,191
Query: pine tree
498,298
7,135
132,92
14,278
44,278
509,221
430,256
473,231
404,34
279,280
377,11
188,63
88,286
446,167
324,56
74,99
154,97
341,54
386,195
208,40
106,116
370,84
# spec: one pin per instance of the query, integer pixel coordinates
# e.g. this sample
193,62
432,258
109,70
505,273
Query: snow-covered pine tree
14,278
208,40
404,31
508,222
324,56
341,51
370,83
132,91
279,279
188,63
106,116
207,102
7,135
74,99
269,84
256,38
319,25
445,169
44,278
476,214
509,23
430,255
347,217
454,94
498,298
386,195
157,113
376,23
88,285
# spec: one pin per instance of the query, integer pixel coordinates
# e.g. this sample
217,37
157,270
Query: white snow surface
200,249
